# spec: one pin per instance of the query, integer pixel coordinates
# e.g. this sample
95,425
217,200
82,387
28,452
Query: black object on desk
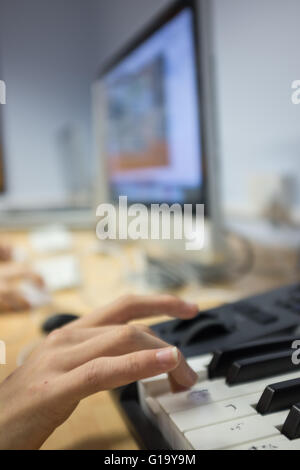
57,321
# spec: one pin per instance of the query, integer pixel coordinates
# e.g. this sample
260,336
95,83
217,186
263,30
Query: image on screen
137,120
152,129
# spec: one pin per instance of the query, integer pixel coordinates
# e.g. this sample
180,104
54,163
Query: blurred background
50,53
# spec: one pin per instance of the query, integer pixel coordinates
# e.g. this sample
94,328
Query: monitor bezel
160,20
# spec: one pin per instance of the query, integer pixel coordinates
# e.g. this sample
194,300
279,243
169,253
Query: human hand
11,299
12,275
5,252
16,272
97,352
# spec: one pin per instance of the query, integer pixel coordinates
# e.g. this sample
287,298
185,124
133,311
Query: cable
170,273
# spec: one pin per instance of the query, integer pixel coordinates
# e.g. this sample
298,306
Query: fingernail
168,357
191,309
191,305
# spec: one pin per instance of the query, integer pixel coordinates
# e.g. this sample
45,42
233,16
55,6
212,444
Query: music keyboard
246,398
240,369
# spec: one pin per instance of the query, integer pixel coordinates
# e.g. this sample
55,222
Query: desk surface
96,423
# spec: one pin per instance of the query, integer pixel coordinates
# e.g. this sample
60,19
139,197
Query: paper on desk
19,254
36,296
51,239
60,272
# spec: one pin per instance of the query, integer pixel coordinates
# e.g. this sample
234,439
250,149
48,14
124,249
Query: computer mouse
57,321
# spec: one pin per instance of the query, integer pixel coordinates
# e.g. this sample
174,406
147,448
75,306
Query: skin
98,352
5,252
12,272
11,299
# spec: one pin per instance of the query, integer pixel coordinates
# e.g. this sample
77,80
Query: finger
110,372
137,307
175,386
4,307
15,272
128,339
17,301
79,335
35,278
13,301
11,271
73,337
105,341
5,253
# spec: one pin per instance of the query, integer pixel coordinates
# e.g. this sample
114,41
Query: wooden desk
96,423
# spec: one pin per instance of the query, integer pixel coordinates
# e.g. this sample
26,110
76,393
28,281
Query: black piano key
258,367
279,396
291,427
222,359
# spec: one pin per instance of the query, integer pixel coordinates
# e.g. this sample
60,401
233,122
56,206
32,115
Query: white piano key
272,443
153,405
231,433
215,413
198,362
178,415
276,419
159,384
211,391
153,379
147,391
291,445
200,365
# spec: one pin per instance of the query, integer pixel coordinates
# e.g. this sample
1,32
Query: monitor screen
151,117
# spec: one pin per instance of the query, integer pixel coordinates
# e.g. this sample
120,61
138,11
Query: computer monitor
2,183
154,117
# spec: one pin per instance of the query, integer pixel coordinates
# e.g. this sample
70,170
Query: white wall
47,65
51,52
257,46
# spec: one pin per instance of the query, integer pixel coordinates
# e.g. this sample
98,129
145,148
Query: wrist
21,429
18,434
